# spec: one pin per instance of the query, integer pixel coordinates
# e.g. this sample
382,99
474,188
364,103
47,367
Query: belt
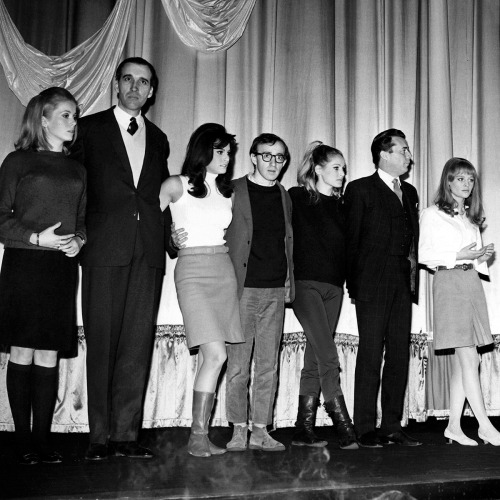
203,250
463,267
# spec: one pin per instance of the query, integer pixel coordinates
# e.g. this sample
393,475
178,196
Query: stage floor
434,470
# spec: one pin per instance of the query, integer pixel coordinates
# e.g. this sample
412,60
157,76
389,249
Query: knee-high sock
44,394
19,392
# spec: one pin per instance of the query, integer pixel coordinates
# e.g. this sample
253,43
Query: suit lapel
148,152
413,210
385,192
115,137
243,203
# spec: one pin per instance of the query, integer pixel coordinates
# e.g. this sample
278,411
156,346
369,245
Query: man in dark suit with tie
123,261
382,241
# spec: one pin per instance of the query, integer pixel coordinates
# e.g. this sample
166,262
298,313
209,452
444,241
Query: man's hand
179,237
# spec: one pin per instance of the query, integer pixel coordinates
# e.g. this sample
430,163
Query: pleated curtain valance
87,70
209,25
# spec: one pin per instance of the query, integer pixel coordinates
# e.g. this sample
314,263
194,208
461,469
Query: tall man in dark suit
382,240
123,260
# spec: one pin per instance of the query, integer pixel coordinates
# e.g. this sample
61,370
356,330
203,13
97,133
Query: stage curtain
209,26
339,71
86,71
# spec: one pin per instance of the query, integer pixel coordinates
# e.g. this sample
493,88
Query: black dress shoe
400,438
29,458
369,440
129,449
96,452
51,457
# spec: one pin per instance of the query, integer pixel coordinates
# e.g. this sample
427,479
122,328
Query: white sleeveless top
204,219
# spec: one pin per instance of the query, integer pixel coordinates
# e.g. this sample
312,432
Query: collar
388,179
123,118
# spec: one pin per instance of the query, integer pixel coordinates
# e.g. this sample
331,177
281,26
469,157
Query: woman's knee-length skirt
460,313
207,294
38,300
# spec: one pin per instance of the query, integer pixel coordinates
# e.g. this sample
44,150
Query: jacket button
244,265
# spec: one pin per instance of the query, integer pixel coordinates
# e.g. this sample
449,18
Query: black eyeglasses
267,157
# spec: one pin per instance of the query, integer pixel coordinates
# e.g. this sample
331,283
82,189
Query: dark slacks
119,306
317,307
384,322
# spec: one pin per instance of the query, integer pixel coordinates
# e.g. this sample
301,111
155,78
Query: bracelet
37,239
80,235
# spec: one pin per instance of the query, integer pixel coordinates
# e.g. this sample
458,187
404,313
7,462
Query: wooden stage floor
434,470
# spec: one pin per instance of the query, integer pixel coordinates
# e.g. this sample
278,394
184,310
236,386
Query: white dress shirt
388,179
443,236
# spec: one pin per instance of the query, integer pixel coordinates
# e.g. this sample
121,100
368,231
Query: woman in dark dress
319,266
42,217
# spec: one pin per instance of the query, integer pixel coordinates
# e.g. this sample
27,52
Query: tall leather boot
306,416
342,422
199,444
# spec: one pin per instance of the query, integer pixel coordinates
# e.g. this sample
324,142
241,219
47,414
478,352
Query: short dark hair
141,62
384,142
199,154
271,139
32,134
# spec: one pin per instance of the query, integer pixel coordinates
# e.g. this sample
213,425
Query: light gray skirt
460,313
207,294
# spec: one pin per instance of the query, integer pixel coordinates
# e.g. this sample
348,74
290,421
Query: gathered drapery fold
86,71
209,26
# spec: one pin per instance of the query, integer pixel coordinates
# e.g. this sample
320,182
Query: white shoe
459,438
492,438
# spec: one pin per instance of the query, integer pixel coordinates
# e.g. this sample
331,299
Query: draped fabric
86,71
339,71
209,25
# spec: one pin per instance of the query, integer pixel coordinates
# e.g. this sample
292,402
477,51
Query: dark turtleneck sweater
319,243
39,189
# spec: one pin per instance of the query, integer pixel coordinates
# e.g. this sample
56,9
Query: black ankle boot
306,415
337,411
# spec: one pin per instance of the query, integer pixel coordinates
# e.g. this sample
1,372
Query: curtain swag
209,25
86,71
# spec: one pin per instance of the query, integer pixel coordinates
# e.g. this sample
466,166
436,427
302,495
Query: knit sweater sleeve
11,227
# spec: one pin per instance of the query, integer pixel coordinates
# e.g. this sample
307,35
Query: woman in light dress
450,243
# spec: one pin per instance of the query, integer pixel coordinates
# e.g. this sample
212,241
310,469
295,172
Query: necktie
397,190
132,128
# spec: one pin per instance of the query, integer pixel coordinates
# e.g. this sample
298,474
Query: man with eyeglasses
382,241
260,245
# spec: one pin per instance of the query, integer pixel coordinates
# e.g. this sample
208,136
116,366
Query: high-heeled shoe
493,439
460,439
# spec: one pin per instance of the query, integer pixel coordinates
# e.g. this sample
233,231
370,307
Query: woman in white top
200,202
450,243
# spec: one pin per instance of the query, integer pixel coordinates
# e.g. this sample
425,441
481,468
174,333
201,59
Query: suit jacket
368,233
114,201
240,232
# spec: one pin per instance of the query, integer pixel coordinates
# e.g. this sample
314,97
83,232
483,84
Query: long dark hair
33,136
444,198
200,152
316,153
